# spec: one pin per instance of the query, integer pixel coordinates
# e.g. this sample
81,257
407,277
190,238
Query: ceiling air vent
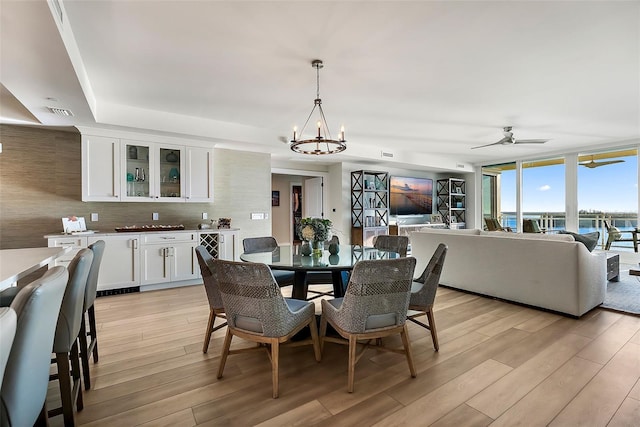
60,111
386,154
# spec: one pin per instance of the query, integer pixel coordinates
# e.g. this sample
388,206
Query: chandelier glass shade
322,142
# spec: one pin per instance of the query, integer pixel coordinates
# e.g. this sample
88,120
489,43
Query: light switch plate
257,215
155,216
205,215
94,217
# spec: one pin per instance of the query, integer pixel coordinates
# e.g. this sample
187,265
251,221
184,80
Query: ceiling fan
510,140
592,164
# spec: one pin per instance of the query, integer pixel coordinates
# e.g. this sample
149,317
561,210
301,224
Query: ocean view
587,222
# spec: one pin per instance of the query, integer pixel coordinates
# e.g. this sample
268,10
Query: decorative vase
334,259
334,248
174,175
318,247
172,157
305,248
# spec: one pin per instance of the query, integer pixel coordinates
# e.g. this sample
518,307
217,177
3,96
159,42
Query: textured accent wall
40,182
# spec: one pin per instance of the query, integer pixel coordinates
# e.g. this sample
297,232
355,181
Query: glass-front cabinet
152,172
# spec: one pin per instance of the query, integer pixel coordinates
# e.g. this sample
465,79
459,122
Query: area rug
625,294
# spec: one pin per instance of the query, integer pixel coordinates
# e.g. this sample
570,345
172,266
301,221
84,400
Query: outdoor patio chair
531,226
616,235
493,224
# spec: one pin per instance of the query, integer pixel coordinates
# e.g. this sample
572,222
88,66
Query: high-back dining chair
386,242
216,308
88,310
24,387
266,244
65,342
257,311
423,293
8,322
374,306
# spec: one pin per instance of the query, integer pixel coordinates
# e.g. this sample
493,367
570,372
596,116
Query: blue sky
611,188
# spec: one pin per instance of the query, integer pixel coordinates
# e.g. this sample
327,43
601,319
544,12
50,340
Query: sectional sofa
552,272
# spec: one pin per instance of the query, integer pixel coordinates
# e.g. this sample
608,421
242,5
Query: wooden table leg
299,285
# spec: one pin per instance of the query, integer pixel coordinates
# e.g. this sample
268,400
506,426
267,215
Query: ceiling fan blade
488,145
593,164
530,141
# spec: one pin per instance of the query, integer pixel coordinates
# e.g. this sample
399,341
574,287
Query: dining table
290,258
18,263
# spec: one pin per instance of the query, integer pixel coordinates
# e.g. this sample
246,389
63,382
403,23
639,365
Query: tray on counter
144,228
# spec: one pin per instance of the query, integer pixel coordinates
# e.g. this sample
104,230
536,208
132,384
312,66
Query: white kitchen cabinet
228,245
100,169
199,175
120,267
168,257
119,167
152,172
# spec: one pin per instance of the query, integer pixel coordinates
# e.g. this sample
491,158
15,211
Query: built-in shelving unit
451,201
369,206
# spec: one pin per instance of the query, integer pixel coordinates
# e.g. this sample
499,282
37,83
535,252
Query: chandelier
322,143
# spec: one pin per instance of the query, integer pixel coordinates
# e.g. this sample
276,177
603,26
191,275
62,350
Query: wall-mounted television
410,196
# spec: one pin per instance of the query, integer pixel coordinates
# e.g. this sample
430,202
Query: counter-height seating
89,314
26,377
549,271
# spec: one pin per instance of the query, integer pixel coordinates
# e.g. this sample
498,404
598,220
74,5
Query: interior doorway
305,196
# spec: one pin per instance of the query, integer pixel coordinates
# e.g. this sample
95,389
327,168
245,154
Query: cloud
545,188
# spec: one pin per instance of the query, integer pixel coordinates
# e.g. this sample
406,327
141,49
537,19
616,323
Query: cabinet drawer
166,238
65,242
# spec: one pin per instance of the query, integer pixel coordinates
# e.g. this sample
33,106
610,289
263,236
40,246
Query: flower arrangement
314,229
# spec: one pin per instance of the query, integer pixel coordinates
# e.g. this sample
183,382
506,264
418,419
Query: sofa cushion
590,240
473,231
528,236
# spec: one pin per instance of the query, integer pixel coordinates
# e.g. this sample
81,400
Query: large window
499,193
543,193
608,190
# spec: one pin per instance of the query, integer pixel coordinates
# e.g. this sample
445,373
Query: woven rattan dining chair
374,306
90,292
267,244
423,292
257,311
385,242
216,309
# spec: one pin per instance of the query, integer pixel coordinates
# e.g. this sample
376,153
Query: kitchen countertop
124,233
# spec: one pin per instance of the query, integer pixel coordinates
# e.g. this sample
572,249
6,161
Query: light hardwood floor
499,364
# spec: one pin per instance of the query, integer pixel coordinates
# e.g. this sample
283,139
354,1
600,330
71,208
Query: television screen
410,196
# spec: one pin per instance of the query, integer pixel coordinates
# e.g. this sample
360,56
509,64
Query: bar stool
89,298
65,342
24,387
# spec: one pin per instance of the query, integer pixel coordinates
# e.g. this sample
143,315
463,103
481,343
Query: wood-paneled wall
40,182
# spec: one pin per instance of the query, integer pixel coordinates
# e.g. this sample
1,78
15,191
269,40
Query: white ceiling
425,80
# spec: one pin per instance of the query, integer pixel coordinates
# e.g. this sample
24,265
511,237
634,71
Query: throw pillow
590,240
